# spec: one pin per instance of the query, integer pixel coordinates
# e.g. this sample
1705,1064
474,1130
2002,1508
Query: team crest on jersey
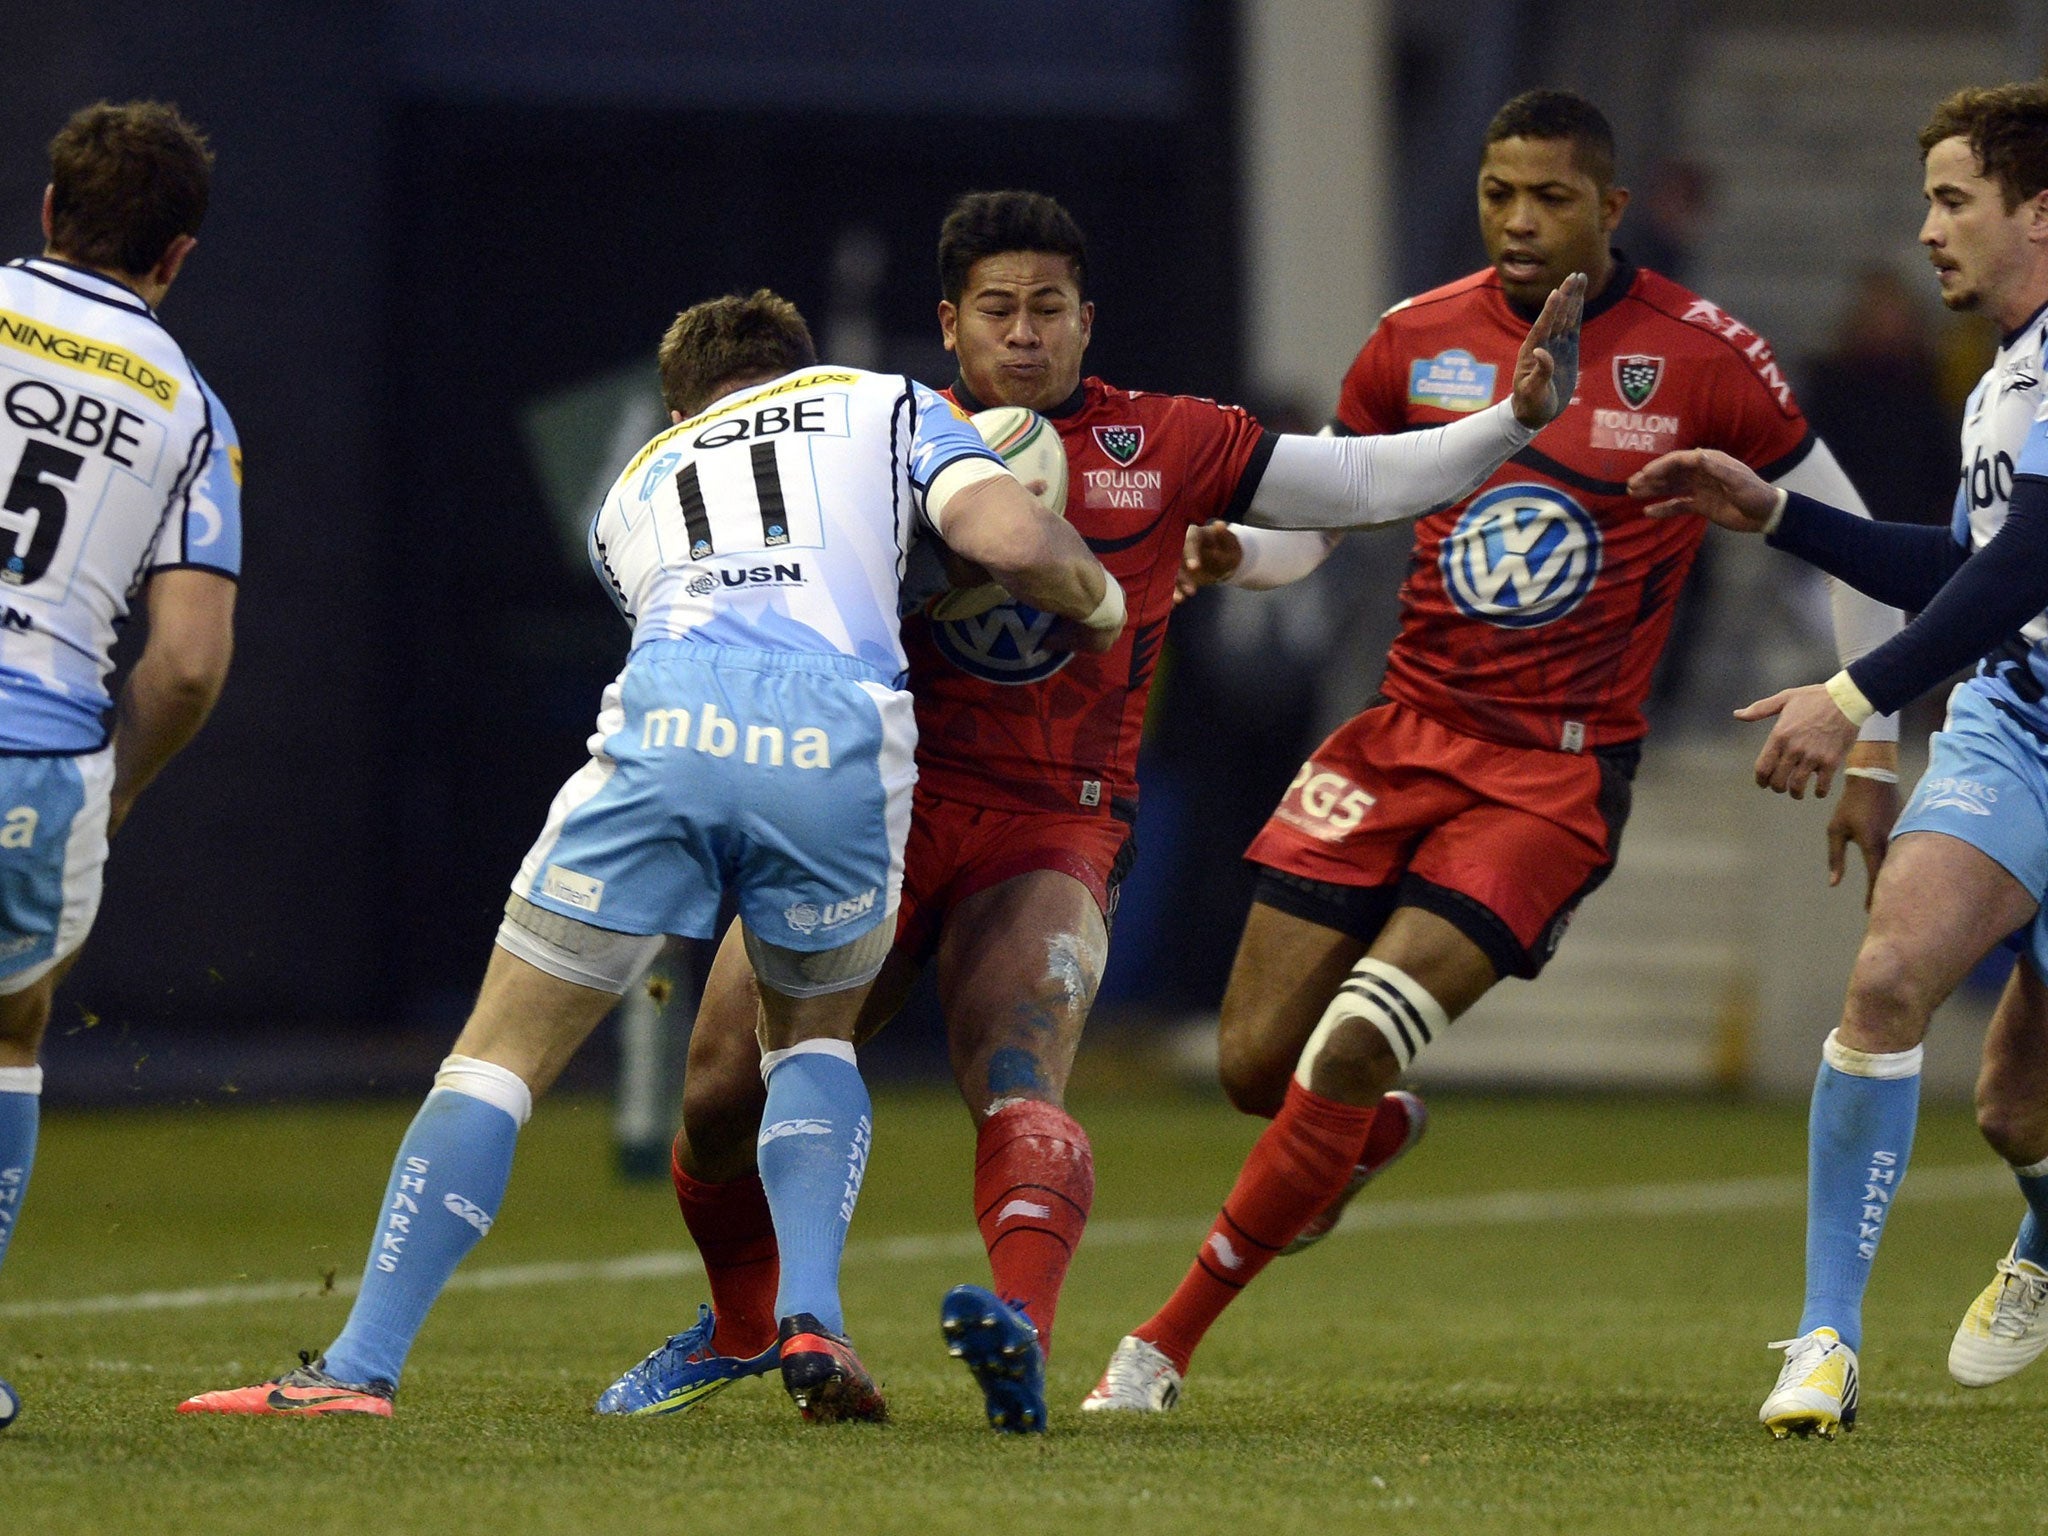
1636,378
1004,645
1521,557
1121,443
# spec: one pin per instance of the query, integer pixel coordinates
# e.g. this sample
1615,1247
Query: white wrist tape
21,1080
843,1049
1849,698
1109,613
1876,775
486,1080
1387,998
1777,512
1878,1064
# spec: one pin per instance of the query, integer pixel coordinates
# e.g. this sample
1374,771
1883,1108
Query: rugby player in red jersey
1441,840
1027,755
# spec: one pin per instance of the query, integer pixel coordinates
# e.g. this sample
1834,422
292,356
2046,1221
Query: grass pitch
1549,1319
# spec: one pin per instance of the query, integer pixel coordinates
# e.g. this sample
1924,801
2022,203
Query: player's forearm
1994,593
1902,564
1361,482
1276,557
1055,574
1861,622
161,708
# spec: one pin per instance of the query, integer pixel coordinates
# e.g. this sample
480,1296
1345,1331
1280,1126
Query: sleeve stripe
1778,468
1248,481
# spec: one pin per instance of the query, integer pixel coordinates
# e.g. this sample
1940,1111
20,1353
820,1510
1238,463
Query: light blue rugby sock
21,1100
2032,1243
446,1184
1859,1138
813,1154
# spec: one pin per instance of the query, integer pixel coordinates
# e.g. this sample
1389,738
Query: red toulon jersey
1535,609
1004,722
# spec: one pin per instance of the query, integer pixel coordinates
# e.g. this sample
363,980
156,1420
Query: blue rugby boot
999,1343
682,1373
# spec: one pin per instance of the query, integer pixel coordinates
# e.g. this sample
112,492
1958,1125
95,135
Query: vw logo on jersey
1004,645
1522,556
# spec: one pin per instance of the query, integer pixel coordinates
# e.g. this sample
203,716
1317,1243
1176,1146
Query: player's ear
2037,217
1612,202
949,318
49,200
173,259
1087,322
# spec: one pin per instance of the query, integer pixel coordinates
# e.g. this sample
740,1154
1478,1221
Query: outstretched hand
1547,367
1210,553
1704,482
1807,744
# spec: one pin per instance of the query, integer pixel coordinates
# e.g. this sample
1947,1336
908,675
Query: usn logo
1521,557
808,916
1004,645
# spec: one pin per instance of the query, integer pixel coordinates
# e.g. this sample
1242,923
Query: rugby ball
1031,446
10,1405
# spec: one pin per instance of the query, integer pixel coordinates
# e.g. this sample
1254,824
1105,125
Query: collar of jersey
2021,329
1070,406
1619,281
111,289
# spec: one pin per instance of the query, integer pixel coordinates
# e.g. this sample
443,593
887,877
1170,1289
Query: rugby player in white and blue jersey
1968,865
119,475
758,743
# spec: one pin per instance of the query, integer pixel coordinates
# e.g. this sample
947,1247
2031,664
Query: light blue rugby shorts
1987,785
53,853
783,776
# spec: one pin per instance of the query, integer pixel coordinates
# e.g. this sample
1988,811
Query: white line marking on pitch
1508,1208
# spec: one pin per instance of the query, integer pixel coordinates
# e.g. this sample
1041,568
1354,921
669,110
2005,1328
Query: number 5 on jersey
32,516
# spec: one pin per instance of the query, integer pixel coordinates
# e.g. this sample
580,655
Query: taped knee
1391,1001
816,972
574,951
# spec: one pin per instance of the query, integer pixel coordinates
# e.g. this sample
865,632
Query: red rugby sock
1034,1180
736,1237
1298,1166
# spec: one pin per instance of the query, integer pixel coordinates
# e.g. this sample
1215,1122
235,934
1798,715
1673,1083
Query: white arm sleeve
1275,557
1360,482
1861,623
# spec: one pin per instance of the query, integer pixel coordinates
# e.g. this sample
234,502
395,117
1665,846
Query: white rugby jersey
2005,433
116,461
779,517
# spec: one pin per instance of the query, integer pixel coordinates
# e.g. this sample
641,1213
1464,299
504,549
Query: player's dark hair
124,183
720,340
1560,115
2006,127
984,224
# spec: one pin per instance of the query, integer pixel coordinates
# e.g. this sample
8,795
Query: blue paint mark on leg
1012,1071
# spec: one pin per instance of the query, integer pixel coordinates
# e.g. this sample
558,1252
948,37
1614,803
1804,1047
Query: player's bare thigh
529,1022
1939,906
25,1015
2012,1083
1018,966
722,1090
1287,970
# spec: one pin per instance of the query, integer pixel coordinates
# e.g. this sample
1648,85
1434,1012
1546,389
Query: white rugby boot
1816,1390
1138,1379
2005,1329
